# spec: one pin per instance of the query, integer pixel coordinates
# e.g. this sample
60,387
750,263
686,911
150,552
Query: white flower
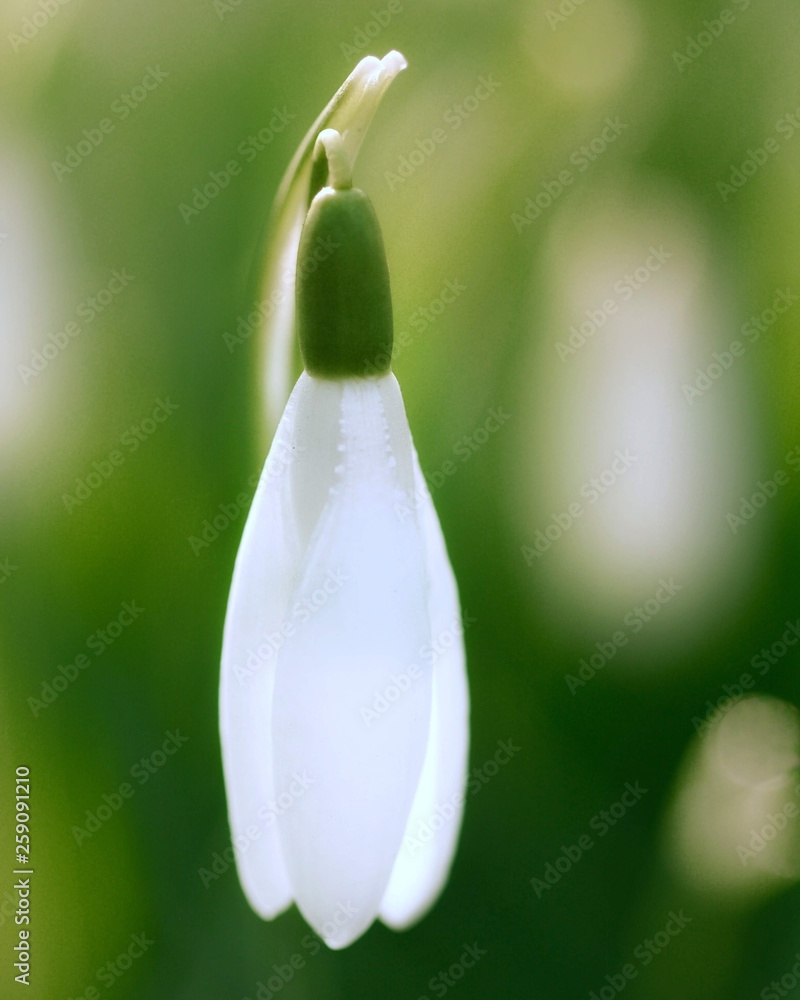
342,588
343,698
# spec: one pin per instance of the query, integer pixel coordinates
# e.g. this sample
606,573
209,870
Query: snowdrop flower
344,717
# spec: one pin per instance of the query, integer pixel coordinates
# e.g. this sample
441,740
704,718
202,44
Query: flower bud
344,303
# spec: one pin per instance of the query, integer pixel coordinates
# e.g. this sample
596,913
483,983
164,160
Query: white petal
265,569
363,588
429,844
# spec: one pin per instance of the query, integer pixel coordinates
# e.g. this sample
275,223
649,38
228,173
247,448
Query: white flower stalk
343,733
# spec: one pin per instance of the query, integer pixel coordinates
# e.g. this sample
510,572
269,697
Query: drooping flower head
344,714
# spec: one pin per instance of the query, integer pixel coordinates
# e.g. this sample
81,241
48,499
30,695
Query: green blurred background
545,217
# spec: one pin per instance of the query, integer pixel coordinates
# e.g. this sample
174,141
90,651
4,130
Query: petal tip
344,925
393,62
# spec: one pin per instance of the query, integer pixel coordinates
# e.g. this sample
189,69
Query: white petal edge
431,837
341,838
266,565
